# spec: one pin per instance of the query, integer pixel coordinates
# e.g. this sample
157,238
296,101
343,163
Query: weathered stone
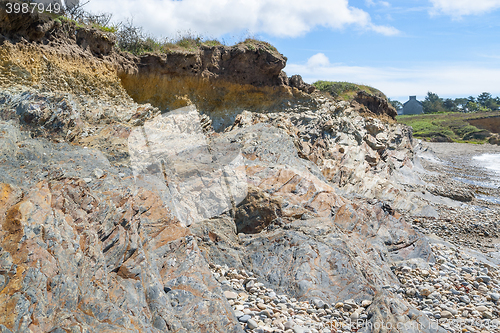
257,211
82,229
459,194
230,295
376,104
252,324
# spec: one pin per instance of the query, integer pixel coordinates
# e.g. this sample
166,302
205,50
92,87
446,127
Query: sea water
489,161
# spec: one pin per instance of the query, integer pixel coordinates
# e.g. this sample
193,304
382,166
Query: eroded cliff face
491,124
60,56
88,243
38,66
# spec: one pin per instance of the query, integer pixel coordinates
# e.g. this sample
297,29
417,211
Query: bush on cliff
132,39
345,91
253,44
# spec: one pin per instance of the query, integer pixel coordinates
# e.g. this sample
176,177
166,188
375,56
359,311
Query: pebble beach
459,292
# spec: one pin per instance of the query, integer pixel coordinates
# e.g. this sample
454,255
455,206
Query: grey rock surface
110,254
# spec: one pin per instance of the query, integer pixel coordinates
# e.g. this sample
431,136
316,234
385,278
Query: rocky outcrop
296,81
257,64
86,247
96,257
362,155
247,76
116,216
375,104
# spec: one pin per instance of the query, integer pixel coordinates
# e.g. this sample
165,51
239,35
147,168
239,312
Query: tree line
432,103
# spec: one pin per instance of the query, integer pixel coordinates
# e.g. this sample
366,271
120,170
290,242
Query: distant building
412,106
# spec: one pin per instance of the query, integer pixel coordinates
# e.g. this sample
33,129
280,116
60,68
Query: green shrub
212,42
253,44
85,20
345,90
112,29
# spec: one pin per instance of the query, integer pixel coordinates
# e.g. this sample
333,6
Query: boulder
257,211
296,81
494,139
458,194
376,104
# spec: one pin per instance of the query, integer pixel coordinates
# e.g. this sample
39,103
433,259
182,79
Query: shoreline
475,223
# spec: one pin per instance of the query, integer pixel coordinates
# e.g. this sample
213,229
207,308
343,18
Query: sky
402,47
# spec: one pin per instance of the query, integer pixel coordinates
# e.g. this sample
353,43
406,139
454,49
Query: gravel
458,293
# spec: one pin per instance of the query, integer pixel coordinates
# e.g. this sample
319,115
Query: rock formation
95,191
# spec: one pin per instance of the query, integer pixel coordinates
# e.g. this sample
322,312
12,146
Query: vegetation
131,38
485,102
447,126
253,44
344,90
396,104
82,18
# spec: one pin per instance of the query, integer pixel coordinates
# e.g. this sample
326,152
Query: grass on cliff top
345,91
80,24
253,44
138,45
133,40
449,126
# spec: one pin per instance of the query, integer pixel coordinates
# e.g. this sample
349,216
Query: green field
451,126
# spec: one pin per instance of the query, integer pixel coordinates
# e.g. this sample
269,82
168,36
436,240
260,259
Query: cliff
60,55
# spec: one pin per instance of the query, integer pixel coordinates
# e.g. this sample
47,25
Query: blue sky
450,47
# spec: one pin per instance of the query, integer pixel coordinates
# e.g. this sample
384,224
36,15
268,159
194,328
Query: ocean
489,161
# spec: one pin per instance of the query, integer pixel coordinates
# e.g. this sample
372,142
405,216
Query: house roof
412,100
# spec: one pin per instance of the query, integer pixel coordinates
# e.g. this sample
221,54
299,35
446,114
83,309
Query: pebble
252,324
454,288
263,310
230,295
244,318
98,173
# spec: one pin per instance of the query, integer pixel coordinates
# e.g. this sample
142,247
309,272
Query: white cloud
385,30
318,60
371,3
458,8
283,18
444,79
